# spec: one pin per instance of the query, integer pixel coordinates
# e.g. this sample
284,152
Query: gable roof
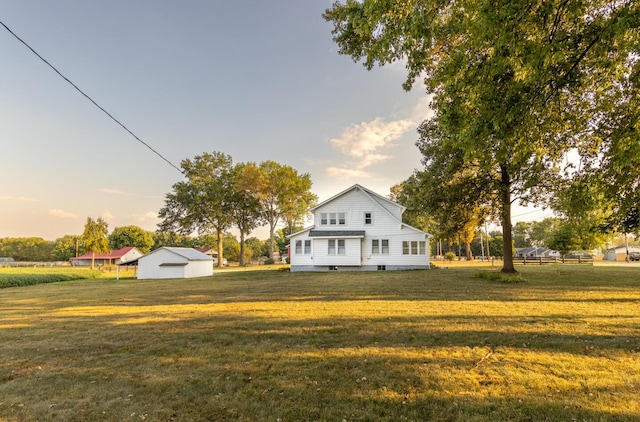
371,194
188,253
380,200
118,253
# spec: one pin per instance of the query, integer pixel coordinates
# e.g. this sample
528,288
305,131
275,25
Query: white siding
151,266
352,254
385,225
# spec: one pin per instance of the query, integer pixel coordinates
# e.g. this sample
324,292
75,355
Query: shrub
450,256
269,261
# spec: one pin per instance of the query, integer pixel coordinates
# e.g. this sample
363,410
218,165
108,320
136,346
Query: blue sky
258,80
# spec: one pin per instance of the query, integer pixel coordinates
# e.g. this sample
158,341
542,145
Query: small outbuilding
619,253
126,254
170,262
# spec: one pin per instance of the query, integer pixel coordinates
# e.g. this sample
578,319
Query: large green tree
246,212
516,84
68,246
94,237
284,195
134,236
203,202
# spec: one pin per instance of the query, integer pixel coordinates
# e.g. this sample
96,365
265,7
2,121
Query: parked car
634,256
224,261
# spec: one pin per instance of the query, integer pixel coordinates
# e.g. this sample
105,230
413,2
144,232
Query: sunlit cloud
62,214
150,215
341,173
368,143
106,215
17,198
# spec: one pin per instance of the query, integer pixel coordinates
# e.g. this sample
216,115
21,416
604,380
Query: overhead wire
91,99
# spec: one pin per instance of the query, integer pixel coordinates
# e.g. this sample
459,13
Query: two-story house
358,230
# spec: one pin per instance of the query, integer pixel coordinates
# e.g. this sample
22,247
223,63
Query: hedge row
20,280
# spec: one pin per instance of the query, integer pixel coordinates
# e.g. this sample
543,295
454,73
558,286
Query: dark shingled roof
336,233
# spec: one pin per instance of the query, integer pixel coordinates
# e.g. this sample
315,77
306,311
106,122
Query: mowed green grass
275,346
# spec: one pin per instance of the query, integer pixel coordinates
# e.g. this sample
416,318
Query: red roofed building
125,254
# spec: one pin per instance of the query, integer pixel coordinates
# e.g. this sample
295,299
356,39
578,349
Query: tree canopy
284,194
516,85
95,237
202,203
134,236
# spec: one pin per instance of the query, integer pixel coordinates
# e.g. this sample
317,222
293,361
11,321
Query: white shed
170,262
619,253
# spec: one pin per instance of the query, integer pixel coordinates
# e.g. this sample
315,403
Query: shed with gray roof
171,262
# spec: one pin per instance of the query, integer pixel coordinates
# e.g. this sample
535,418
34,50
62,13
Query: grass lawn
275,346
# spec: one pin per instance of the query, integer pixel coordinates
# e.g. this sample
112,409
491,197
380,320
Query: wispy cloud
115,191
17,198
62,214
368,143
107,215
112,191
149,215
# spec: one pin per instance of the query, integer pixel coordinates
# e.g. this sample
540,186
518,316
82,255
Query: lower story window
414,247
337,247
380,246
307,247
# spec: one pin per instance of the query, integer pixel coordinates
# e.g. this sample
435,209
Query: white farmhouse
358,230
170,262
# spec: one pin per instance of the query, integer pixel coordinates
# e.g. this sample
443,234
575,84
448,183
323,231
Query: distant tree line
36,249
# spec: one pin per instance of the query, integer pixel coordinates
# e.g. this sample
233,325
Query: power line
91,99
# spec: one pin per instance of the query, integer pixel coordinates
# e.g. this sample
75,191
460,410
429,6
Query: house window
368,218
380,246
298,247
336,247
414,247
307,247
382,267
333,218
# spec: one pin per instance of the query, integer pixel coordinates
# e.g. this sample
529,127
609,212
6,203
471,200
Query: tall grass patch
20,277
270,345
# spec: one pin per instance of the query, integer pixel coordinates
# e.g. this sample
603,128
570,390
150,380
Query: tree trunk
220,257
272,230
467,247
505,217
241,248
93,258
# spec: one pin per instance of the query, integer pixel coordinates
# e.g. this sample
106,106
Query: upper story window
333,218
368,218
